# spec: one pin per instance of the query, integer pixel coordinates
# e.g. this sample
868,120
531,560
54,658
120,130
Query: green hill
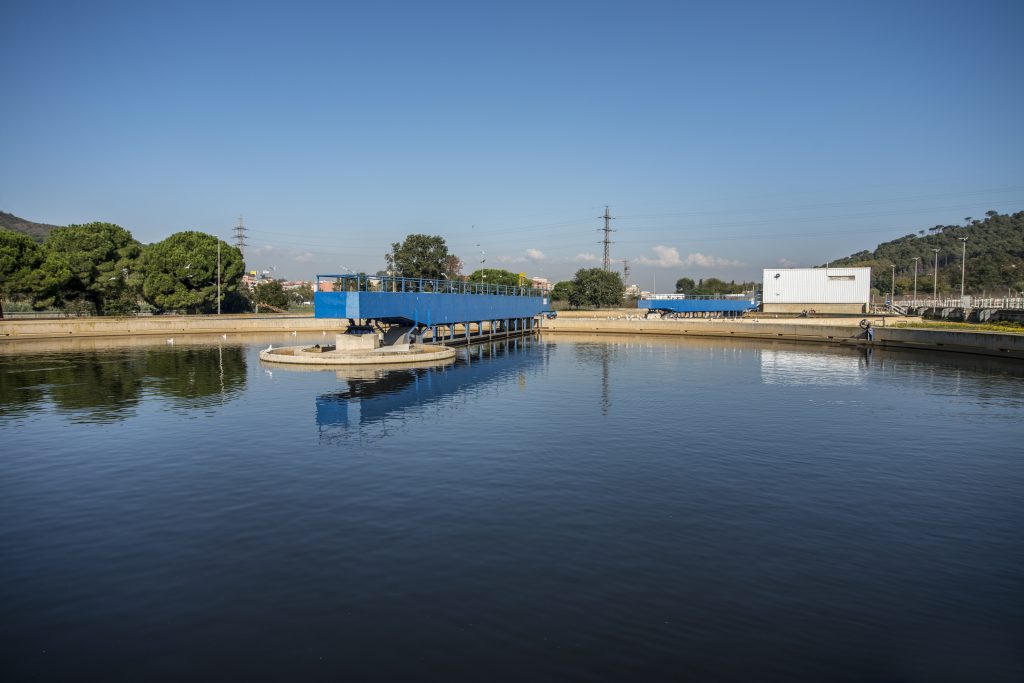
37,231
995,258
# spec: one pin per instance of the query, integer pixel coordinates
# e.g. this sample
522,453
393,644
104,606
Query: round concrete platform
300,355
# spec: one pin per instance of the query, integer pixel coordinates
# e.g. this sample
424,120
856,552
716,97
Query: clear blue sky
725,136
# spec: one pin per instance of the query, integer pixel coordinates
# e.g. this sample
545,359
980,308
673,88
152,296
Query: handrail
393,283
705,297
1016,303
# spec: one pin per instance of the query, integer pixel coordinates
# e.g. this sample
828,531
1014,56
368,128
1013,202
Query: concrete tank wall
984,343
161,325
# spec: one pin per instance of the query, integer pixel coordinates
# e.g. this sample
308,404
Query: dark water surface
574,509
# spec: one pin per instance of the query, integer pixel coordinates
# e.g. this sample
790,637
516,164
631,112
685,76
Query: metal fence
44,315
391,283
1015,303
701,297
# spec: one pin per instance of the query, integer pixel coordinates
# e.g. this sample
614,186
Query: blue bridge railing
394,283
701,297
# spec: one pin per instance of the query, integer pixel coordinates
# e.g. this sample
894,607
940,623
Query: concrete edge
369,358
991,344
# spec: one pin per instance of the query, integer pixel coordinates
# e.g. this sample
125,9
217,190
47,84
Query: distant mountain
37,231
994,265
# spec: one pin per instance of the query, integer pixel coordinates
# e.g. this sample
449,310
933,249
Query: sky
725,137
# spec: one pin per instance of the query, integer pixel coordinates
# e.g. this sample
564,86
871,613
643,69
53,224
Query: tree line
994,258
712,286
100,268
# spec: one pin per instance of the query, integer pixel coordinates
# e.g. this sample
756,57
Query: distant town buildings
541,283
252,278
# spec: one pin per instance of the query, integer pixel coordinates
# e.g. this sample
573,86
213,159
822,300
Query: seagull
223,336
294,333
270,348
171,341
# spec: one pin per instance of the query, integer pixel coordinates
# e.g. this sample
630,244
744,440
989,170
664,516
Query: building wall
815,286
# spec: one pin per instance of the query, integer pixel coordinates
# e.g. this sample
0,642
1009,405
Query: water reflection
604,353
793,368
108,385
373,394
979,379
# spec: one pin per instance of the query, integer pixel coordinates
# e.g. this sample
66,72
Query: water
578,509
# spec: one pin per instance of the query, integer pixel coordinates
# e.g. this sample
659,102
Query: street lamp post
963,268
892,289
917,259
935,280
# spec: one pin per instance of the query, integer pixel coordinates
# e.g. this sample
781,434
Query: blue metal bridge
699,305
419,304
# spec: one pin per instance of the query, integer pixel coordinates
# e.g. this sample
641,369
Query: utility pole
607,238
935,280
240,237
892,293
625,270
916,260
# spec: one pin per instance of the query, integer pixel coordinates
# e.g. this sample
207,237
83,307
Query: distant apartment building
250,278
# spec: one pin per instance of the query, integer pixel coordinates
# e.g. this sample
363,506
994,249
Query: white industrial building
823,290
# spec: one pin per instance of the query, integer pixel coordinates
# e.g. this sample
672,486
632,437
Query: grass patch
1002,326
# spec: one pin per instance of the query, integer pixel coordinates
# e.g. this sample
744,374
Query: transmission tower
625,270
240,237
607,238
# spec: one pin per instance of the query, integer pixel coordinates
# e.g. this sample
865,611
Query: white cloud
304,257
698,259
535,254
262,251
586,257
664,257
510,259
668,257
786,263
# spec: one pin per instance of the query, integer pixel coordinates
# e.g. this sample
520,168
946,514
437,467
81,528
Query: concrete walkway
166,325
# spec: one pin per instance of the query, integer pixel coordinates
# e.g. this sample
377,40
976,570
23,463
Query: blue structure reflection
369,399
